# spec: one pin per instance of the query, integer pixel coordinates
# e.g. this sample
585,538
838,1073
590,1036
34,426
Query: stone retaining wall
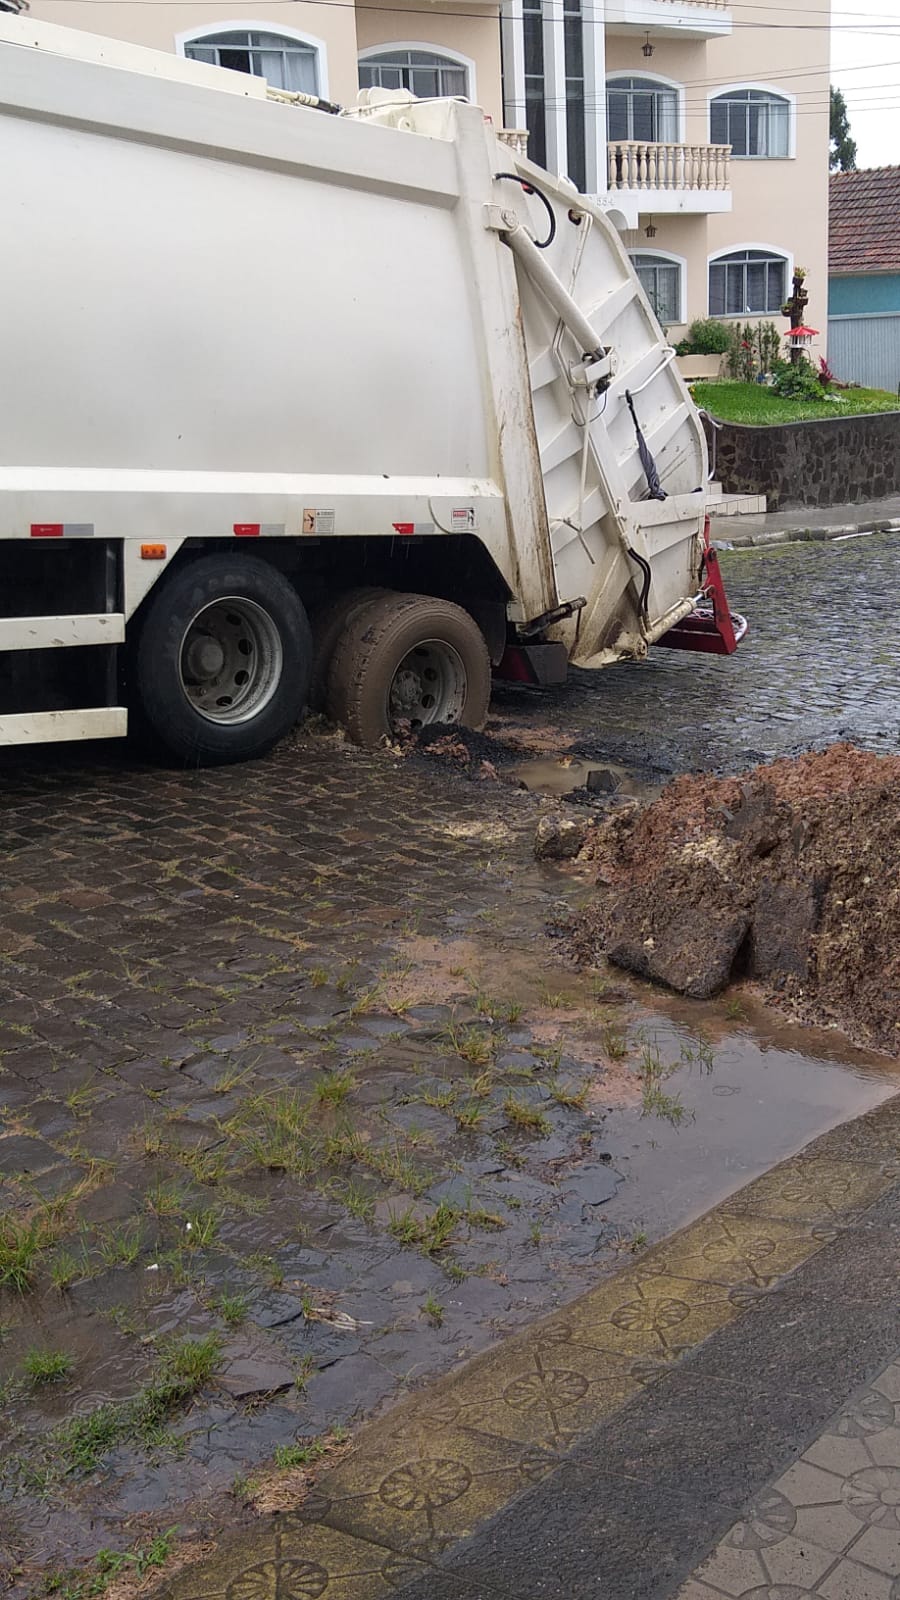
832,462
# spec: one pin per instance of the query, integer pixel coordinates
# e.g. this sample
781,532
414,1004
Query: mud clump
788,875
559,838
463,750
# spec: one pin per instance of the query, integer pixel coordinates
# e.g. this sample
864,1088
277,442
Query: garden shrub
797,380
705,337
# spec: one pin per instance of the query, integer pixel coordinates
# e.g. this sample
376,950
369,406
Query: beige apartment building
701,125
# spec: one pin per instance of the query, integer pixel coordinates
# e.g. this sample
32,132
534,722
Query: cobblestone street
821,662
300,1104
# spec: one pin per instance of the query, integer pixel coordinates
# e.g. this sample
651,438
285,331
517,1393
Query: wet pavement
726,1406
301,1104
821,662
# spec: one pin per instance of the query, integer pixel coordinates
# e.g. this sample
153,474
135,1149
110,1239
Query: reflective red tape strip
246,530
47,530
403,527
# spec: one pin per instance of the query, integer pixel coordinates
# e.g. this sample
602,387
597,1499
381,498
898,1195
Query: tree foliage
842,156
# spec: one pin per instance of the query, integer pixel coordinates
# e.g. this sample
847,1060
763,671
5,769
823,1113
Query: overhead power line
878,30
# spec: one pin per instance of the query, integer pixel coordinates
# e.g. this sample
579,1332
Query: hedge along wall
837,460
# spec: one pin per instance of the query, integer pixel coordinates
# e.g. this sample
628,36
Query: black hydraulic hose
530,188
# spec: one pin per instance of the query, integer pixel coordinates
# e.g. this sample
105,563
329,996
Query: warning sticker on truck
318,519
463,519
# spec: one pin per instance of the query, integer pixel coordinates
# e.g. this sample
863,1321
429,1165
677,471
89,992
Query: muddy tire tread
392,622
327,627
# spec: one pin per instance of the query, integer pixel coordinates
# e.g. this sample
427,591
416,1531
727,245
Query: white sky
865,64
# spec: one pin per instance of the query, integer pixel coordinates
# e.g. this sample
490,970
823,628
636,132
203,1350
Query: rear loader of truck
344,410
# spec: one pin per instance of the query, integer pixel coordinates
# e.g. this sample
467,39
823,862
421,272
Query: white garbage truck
301,406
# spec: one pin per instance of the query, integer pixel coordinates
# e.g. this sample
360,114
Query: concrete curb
767,536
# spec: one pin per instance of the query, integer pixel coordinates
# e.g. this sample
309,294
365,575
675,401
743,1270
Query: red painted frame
717,632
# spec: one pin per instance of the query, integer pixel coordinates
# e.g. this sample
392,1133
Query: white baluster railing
516,138
636,165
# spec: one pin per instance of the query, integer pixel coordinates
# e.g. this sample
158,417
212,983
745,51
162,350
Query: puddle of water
761,1100
106,1366
563,774
755,1086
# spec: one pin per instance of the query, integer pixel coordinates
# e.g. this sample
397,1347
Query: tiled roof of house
864,221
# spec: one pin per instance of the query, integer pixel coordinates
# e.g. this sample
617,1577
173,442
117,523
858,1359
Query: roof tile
864,221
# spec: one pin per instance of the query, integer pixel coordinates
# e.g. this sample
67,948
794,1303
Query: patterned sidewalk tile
299,1563
829,1527
814,1189
539,1394
646,1315
734,1250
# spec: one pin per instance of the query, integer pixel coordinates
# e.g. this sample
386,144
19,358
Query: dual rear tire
224,661
404,661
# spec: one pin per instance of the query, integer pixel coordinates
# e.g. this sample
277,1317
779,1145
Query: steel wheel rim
429,685
230,661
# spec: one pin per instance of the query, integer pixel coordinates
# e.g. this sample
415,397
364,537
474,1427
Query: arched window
426,73
641,108
747,282
755,122
660,278
284,61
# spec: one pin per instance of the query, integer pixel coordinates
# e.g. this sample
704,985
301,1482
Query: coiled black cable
530,188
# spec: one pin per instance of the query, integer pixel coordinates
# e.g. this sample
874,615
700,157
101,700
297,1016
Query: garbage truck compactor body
344,410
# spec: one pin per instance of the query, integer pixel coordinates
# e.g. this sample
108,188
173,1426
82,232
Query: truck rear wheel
407,660
223,659
327,627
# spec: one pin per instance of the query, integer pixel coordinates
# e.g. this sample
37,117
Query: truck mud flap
541,664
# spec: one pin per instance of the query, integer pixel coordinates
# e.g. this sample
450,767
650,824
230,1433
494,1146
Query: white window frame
669,259
733,249
763,88
210,30
456,56
619,75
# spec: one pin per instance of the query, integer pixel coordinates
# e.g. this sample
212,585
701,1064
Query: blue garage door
866,350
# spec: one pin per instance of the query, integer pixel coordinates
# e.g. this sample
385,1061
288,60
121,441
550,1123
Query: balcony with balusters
667,178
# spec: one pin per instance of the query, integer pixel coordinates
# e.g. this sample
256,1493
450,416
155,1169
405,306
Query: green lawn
754,403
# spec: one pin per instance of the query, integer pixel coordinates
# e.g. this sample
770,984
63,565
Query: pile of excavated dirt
788,875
